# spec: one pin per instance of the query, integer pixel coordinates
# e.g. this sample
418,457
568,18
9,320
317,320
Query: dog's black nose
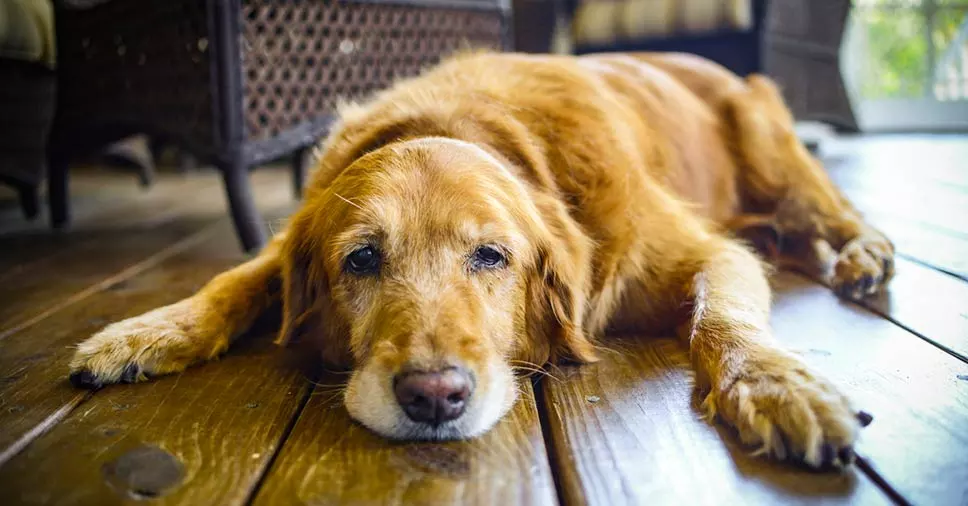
433,397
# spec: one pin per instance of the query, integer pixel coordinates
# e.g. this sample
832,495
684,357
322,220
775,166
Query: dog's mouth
447,431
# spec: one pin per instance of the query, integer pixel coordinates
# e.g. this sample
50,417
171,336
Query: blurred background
906,63
903,61
186,85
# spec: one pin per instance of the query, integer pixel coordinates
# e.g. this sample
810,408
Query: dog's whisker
327,385
539,372
526,363
340,373
331,398
336,391
348,201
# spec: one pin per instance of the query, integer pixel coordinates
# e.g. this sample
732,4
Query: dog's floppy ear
561,284
299,286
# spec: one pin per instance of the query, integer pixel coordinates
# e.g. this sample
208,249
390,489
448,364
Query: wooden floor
253,429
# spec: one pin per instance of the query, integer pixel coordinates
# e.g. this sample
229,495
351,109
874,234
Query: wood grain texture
41,272
37,290
926,244
915,189
101,201
220,423
917,393
33,381
641,441
328,459
916,160
628,431
929,303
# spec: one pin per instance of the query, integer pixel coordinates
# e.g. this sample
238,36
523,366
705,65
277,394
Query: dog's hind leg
170,338
818,229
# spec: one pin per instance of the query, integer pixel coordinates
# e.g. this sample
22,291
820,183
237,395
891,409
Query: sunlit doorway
905,63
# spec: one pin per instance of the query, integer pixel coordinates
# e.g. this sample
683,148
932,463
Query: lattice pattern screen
300,56
140,62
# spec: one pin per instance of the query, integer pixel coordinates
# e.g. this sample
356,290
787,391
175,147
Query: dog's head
431,270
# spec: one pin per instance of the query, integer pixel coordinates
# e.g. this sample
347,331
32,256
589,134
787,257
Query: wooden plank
915,189
628,430
642,441
929,303
90,258
906,195
100,200
110,203
38,290
928,159
328,459
202,437
916,393
220,425
939,249
33,384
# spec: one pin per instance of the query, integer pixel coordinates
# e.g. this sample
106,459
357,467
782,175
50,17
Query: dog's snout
433,397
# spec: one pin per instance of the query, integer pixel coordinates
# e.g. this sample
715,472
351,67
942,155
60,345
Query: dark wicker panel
299,56
819,22
812,87
136,62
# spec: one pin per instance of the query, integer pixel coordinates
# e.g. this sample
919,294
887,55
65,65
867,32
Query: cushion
610,21
27,31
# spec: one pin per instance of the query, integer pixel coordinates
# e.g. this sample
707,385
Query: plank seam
888,317
544,421
283,438
880,482
43,427
126,273
929,265
910,330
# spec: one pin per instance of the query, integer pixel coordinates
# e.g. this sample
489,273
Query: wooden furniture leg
300,168
248,222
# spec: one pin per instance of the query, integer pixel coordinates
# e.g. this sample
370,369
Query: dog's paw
161,341
789,413
863,266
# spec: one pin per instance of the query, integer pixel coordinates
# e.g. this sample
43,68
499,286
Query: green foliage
896,51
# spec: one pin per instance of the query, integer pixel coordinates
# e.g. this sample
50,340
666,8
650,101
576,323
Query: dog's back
586,124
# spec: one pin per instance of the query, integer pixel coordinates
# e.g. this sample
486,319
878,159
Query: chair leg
29,198
299,169
245,215
57,190
146,175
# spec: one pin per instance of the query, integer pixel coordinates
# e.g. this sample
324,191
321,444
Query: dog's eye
365,260
487,257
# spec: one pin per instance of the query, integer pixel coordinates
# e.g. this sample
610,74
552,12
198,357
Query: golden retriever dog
507,209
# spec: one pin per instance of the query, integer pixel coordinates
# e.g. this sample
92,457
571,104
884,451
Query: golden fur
616,186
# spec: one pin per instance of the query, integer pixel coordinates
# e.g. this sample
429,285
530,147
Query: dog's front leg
170,338
772,399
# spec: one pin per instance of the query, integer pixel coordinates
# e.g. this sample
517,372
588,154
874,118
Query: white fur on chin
369,399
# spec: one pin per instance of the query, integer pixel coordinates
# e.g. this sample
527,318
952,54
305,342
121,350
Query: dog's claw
827,455
846,455
86,379
130,373
863,267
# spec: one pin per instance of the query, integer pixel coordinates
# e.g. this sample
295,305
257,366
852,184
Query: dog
508,209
